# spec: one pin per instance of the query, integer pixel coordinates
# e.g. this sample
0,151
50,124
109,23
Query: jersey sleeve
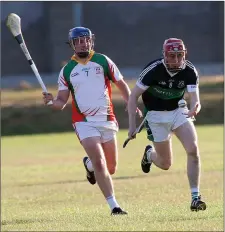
145,78
62,84
193,80
113,71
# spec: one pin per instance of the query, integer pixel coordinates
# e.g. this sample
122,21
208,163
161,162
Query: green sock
194,195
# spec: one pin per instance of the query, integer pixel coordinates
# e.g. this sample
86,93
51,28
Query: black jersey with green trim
163,89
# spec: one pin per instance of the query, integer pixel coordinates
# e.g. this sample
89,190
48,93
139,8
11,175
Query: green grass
44,187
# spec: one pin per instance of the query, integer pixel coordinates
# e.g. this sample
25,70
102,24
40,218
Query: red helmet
174,53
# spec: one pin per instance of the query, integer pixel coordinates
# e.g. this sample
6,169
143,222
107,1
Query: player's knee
100,164
193,149
194,156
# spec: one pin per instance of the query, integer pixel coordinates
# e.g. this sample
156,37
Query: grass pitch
44,187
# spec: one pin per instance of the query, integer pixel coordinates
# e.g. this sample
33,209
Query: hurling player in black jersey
162,83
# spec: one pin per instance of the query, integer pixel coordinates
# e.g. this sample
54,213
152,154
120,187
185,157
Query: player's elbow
122,86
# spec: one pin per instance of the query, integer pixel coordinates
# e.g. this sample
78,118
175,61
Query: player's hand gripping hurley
13,22
138,130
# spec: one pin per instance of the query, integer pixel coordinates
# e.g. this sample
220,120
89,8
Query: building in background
131,33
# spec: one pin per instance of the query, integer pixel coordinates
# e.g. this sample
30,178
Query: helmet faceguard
174,53
81,41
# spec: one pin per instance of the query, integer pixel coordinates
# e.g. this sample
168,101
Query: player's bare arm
132,106
60,101
125,91
195,105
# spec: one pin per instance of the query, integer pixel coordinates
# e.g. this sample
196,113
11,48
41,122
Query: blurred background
130,33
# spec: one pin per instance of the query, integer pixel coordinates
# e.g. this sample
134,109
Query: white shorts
160,124
105,130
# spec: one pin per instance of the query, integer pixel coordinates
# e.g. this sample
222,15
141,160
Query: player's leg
161,154
109,145
84,130
96,162
111,154
107,131
186,133
93,148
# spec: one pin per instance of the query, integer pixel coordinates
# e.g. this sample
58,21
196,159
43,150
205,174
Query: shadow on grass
80,181
23,221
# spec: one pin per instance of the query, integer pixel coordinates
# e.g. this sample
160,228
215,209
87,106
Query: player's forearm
58,104
194,100
132,106
193,103
124,90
